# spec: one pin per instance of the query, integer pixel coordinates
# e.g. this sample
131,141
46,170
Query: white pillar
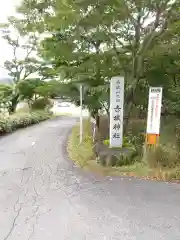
81,113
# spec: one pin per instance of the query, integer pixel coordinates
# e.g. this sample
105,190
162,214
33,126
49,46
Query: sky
7,8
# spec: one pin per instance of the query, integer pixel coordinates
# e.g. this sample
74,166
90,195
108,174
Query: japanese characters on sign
116,111
154,110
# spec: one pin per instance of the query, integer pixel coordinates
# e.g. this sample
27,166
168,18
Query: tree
49,89
23,64
6,95
90,41
27,89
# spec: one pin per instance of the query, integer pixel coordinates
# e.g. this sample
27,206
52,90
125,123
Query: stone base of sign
113,156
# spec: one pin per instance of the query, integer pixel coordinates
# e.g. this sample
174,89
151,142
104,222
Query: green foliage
90,42
125,156
126,143
177,135
49,89
81,153
30,90
132,141
125,160
137,141
111,39
8,97
6,93
136,135
175,175
41,104
20,68
162,157
106,142
17,121
27,88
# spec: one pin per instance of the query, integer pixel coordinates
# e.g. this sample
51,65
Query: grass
168,130
83,156
81,153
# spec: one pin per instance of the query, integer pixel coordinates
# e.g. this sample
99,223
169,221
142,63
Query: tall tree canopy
24,62
91,41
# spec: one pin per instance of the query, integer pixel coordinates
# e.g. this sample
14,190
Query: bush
126,159
135,137
162,157
42,104
126,143
177,133
16,121
116,156
175,174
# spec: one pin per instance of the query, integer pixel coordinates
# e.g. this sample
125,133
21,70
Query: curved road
44,197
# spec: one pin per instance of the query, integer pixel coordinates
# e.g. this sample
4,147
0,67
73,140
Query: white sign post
81,113
82,90
116,111
154,110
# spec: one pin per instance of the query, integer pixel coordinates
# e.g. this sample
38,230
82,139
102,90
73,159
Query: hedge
21,120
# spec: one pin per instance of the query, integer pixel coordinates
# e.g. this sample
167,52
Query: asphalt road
44,197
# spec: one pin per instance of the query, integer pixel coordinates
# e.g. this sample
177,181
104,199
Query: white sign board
154,110
116,111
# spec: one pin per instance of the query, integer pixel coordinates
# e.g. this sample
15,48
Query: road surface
44,197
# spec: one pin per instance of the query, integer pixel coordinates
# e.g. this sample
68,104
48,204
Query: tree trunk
97,118
134,79
12,108
127,117
95,115
13,105
30,104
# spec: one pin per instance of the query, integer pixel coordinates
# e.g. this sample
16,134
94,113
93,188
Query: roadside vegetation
88,43
22,120
39,111
160,163
81,153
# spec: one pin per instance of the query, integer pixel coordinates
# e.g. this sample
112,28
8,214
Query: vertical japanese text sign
154,110
116,111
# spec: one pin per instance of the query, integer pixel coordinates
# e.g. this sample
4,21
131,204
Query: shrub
16,121
177,134
125,159
41,104
136,134
137,141
132,141
175,174
116,156
161,156
126,143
